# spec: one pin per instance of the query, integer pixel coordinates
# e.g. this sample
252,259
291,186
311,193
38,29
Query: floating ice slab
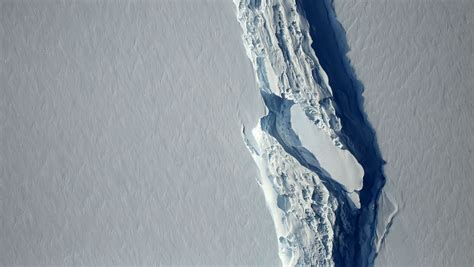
339,163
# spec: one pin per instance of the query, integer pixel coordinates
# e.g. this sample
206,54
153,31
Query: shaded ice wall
415,60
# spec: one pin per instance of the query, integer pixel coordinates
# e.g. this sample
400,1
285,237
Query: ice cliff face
310,180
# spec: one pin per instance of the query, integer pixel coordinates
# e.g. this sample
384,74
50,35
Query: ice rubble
296,146
301,207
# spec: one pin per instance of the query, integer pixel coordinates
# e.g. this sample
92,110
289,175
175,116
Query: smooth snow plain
415,61
120,139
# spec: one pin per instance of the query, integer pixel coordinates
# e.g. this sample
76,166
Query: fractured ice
311,181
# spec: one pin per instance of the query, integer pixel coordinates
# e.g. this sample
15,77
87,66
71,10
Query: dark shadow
330,45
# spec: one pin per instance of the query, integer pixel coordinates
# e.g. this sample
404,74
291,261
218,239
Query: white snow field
415,60
120,136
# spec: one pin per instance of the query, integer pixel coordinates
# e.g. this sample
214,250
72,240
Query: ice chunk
339,163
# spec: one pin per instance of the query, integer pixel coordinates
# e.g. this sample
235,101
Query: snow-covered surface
415,60
120,136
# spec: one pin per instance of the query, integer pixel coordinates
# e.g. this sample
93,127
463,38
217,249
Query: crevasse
311,182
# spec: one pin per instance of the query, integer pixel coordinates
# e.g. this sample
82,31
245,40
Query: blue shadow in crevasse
355,246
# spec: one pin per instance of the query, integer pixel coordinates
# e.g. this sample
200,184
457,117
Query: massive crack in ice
311,181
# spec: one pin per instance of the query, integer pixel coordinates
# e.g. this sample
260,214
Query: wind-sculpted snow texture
312,180
119,140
